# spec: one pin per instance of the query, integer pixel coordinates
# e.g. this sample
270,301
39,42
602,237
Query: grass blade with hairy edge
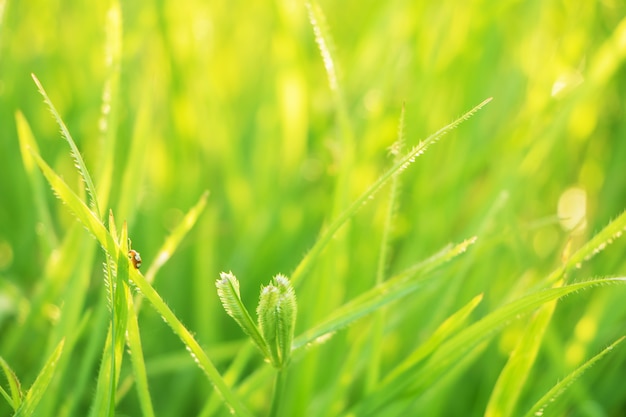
91,222
133,340
192,345
27,140
513,376
38,389
447,328
78,159
116,272
375,298
401,165
451,351
595,245
540,406
396,381
373,372
396,287
14,398
93,225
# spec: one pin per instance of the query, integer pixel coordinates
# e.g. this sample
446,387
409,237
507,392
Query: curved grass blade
373,371
394,288
595,245
87,217
450,352
398,167
15,397
514,375
78,159
172,242
443,332
325,45
38,389
540,406
178,234
202,360
95,226
133,340
27,141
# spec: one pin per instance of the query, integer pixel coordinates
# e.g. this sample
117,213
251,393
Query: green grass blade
103,403
27,141
87,217
176,237
202,360
398,167
93,224
544,402
612,231
396,381
78,159
510,383
450,352
112,355
133,340
110,97
451,325
38,389
325,44
391,290
373,373
454,348
15,397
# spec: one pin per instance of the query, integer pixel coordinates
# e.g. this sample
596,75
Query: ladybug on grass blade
135,258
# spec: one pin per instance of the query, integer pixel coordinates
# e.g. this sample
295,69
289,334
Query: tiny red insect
135,258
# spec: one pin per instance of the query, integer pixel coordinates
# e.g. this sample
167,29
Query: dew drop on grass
194,357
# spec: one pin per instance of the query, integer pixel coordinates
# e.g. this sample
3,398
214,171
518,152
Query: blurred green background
233,97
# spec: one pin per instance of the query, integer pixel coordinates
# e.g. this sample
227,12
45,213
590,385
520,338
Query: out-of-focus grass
233,97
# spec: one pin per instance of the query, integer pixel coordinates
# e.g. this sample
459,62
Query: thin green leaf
110,96
373,371
27,141
394,288
133,340
487,326
76,205
451,351
202,360
325,44
38,389
514,375
178,234
80,164
15,397
539,408
398,167
511,381
595,245
397,380
451,325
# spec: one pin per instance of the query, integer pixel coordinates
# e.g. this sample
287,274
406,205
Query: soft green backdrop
233,97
